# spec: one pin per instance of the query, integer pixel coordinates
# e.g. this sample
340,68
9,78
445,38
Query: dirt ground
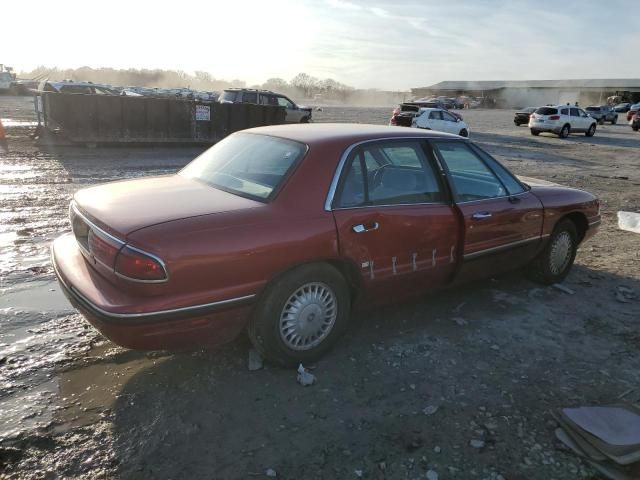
458,385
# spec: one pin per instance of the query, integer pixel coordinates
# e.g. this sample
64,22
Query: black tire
591,131
464,133
635,129
565,132
304,120
535,132
614,120
265,325
601,121
541,269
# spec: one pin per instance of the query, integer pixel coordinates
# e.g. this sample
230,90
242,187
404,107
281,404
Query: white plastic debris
430,409
271,473
358,473
476,443
562,288
304,377
255,360
629,221
432,475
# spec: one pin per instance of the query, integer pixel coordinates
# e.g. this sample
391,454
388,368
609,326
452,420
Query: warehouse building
515,94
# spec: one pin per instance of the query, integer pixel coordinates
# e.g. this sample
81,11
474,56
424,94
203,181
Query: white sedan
441,121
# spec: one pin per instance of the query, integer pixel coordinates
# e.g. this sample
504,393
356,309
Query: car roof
344,133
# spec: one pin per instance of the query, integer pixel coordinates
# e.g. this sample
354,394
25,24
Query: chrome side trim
173,311
479,253
343,159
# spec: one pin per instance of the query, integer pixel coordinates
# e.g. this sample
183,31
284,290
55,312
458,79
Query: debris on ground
255,360
476,443
562,288
607,437
271,473
432,475
305,378
624,294
629,221
430,409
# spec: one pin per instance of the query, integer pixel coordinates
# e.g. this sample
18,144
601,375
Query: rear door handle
361,228
481,215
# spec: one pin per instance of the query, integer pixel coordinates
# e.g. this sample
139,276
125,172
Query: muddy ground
404,393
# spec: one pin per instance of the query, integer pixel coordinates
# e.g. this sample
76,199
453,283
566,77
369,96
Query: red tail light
136,265
554,117
102,248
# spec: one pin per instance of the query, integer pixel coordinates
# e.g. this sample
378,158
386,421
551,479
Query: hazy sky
385,44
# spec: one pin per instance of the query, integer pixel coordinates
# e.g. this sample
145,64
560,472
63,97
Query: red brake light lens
136,265
102,248
554,117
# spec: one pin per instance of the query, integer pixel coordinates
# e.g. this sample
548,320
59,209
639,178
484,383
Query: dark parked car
622,107
294,113
603,113
403,114
282,230
522,116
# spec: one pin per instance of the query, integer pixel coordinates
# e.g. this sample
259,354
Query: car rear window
246,164
547,111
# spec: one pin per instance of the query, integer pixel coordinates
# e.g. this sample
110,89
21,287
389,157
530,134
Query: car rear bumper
167,329
545,126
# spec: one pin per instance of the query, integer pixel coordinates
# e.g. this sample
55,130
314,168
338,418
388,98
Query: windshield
547,111
246,164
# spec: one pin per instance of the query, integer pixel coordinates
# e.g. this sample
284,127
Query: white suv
562,120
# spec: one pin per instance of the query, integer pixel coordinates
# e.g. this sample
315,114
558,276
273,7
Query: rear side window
574,112
564,111
389,173
249,97
547,111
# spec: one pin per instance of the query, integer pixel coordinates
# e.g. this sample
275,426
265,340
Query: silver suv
294,113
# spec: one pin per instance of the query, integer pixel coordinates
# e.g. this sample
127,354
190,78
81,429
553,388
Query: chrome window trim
343,159
492,198
486,251
391,205
122,244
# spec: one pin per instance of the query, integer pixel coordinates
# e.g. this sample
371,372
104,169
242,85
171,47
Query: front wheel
592,130
301,315
535,133
553,264
464,133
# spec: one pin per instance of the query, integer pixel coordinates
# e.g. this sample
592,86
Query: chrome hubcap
561,251
308,316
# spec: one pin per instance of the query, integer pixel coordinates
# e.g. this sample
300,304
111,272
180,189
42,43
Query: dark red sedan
283,229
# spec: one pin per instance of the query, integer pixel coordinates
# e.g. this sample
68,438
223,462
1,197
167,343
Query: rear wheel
592,130
535,132
301,315
601,121
635,129
566,130
464,133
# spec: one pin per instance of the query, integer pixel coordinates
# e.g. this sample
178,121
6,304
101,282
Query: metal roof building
512,93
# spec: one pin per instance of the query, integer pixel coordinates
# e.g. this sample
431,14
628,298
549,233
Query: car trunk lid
124,207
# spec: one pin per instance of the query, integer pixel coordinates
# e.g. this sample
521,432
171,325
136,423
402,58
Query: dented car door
394,219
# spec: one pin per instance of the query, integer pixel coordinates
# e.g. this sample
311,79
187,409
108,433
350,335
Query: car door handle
361,228
481,215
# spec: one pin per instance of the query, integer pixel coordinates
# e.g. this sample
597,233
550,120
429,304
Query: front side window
283,102
574,112
471,178
388,173
448,117
246,164
510,182
435,115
